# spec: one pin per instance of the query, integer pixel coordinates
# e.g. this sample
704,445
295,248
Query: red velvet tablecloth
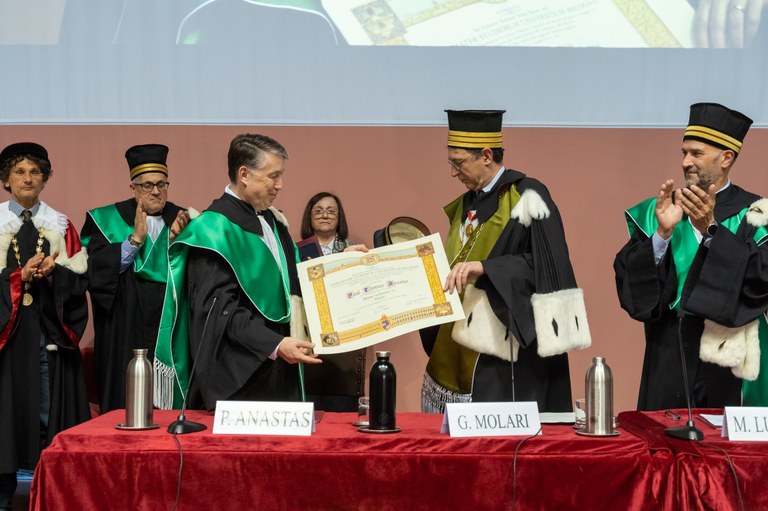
704,480
97,467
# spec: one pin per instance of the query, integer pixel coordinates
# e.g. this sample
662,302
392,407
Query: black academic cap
147,158
24,149
717,125
474,129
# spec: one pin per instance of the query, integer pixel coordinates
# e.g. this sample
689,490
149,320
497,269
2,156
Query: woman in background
335,384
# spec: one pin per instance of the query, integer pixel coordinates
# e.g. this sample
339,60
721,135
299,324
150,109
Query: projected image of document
522,23
571,23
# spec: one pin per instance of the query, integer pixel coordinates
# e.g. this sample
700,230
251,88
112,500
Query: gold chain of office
27,299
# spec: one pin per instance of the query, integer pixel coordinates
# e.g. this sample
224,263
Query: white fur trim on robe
279,216
54,226
561,322
530,207
481,330
78,263
737,348
757,214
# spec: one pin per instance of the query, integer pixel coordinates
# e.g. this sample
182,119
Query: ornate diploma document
578,23
355,299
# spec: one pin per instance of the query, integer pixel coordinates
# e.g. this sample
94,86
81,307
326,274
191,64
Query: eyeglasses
456,164
32,173
318,212
148,187
669,414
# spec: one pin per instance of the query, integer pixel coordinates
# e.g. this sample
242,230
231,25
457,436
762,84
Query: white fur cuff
299,328
737,348
561,322
481,330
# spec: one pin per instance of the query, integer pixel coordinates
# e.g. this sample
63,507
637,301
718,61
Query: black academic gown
126,307
232,361
732,272
509,282
59,312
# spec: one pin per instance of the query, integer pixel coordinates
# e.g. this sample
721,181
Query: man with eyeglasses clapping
128,245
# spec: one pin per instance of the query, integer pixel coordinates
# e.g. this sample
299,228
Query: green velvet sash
755,393
265,284
683,242
452,365
151,262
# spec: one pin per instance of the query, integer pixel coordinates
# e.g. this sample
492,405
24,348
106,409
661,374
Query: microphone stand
689,431
181,426
510,338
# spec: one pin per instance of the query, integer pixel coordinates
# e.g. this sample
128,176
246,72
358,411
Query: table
94,466
702,473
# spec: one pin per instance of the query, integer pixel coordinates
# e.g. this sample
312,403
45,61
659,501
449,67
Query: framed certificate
354,300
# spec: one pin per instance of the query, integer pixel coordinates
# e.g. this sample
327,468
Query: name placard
491,419
263,418
746,423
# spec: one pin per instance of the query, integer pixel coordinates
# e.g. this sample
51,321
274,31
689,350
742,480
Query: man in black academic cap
128,251
43,313
696,266
509,258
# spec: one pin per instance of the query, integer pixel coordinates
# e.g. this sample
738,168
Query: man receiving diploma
233,272
509,259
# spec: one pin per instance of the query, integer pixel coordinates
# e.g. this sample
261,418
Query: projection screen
377,62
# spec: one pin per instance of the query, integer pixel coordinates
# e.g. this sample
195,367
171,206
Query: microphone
689,431
181,426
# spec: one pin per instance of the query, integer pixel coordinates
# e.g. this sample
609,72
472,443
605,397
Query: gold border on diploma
435,308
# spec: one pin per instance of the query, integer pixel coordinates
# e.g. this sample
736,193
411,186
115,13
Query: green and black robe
229,304
726,283
126,306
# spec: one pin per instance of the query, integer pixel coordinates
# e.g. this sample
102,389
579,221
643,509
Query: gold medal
469,229
27,298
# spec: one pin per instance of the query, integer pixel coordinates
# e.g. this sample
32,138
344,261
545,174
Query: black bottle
382,393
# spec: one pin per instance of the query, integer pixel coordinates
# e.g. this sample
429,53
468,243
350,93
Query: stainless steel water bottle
383,386
599,398
138,392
